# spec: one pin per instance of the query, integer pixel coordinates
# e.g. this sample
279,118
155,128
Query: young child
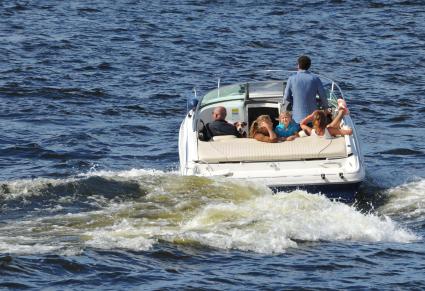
287,129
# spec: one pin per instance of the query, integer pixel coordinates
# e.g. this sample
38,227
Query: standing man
301,90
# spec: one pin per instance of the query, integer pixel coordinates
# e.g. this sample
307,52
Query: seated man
220,126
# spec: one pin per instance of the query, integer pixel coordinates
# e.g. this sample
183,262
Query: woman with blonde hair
262,129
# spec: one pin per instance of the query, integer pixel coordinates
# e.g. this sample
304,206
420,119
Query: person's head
285,118
304,63
219,113
319,120
259,125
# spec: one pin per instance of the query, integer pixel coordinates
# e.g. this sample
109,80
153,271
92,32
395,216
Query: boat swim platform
225,149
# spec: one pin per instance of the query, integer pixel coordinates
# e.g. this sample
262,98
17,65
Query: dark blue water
92,94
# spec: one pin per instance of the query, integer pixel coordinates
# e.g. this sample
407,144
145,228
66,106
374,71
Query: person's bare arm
272,135
292,137
307,119
265,138
307,129
337,120
338,131
303,124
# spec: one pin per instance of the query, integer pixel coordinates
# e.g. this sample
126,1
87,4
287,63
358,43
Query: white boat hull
275,174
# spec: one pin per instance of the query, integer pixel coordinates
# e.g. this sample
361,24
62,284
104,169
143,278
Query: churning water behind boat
136,210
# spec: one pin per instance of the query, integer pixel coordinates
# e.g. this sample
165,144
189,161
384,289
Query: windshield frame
244,91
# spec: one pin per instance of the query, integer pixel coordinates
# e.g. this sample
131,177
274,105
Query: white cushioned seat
248,149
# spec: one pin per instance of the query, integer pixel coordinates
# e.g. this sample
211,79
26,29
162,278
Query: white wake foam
226,215
407,201
274,223
264,224
133,173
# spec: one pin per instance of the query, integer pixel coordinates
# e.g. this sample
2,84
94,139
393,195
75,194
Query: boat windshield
238,92
225,93
263,89
266,89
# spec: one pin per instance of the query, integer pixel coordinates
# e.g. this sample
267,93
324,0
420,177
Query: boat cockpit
244,102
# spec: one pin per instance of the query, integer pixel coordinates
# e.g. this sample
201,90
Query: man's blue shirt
301,90
282,131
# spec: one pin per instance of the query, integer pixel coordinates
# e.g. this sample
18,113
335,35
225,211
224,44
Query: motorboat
315,163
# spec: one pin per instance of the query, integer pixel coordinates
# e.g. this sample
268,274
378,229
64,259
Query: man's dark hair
304,62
